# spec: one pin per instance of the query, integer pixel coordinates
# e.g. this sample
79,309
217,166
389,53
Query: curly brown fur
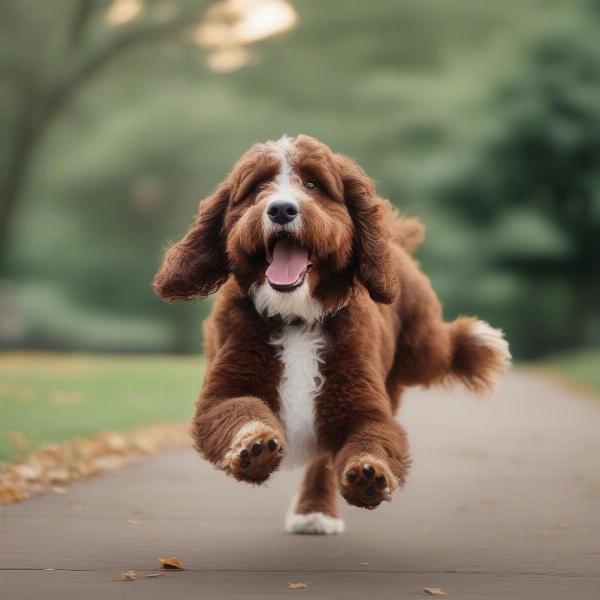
322,310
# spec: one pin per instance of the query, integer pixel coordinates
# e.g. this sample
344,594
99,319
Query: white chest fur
299,348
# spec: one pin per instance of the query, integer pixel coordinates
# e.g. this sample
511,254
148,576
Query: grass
581,367
50,398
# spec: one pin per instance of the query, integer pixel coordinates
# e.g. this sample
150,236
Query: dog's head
297,225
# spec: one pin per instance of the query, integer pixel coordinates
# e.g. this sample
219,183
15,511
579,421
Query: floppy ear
197,265
375,268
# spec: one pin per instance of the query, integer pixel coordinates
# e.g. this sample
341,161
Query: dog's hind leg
314,508
466,350
431,351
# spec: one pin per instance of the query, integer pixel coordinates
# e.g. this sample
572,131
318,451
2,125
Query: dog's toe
367,482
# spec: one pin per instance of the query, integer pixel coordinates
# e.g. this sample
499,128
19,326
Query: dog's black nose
282,211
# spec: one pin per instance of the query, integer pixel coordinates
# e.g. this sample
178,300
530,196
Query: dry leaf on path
129,575
52,467
297,586
435,591
171,562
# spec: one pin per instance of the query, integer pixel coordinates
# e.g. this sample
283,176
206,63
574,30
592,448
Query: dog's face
297,225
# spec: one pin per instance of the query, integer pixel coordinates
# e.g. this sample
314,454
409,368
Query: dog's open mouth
289,263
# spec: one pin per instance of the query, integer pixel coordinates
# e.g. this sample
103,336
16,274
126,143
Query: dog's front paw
366,481
255,452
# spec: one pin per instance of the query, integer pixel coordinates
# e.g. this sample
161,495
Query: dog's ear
375,268
197,265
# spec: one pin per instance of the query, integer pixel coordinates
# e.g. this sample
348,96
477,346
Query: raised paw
255,452
367,481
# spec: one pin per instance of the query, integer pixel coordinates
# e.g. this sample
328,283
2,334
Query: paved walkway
503,502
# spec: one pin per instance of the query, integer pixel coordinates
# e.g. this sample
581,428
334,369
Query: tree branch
81,18
38,109
62,93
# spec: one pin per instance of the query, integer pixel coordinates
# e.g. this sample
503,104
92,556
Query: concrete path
503,502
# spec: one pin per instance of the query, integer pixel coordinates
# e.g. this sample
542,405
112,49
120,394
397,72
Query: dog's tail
480,354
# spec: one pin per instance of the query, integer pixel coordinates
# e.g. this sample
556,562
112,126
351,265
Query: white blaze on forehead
283,150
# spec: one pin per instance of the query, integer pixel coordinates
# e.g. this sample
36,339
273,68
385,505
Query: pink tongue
289,261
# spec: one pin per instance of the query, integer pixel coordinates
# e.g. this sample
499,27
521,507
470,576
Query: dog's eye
260,186
310,184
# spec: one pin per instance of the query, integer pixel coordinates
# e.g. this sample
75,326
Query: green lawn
48,398
581,367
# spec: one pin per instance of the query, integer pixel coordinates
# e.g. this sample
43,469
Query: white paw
316,523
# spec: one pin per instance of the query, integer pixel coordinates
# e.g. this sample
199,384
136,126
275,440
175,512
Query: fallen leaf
59,476
171,562
29,472
129,575
115,442
12,491
297,586
435,591
154,575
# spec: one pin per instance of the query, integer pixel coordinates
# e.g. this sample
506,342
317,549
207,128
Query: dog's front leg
370,449
235,426
356,424
241,436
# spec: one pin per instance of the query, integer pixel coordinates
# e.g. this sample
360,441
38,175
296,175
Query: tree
534,186
54,52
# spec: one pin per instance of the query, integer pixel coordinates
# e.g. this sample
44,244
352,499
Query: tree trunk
12,183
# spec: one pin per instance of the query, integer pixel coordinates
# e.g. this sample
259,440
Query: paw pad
255,453
366,483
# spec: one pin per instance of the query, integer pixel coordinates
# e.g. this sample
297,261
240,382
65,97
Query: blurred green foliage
481,118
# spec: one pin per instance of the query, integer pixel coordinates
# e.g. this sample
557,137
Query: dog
322,320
